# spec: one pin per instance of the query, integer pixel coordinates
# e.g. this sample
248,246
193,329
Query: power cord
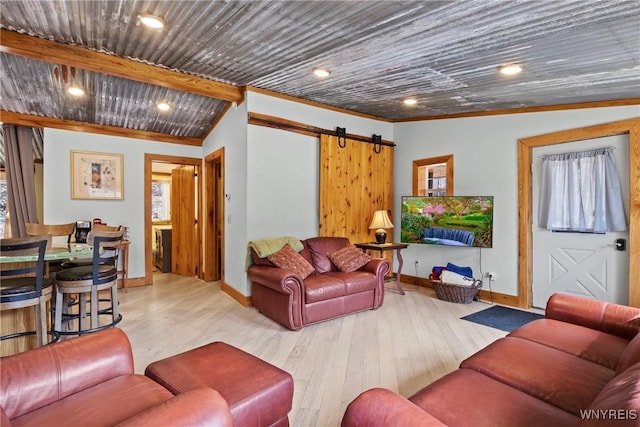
482,278
480,264
490,290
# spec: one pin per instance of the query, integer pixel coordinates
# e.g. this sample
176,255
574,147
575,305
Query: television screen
450,220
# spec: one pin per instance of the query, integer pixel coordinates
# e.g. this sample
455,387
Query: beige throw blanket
267,247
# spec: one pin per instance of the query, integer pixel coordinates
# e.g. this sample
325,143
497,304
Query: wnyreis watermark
609,414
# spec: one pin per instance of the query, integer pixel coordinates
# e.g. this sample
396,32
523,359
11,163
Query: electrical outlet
417,263
491,275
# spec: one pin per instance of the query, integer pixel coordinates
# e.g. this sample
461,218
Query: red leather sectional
580,363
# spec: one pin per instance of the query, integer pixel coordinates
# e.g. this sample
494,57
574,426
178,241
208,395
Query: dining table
54,253
23,319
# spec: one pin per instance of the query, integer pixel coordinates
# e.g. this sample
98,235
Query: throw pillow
289,259
349,258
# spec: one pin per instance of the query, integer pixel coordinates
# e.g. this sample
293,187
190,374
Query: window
433,176
160,200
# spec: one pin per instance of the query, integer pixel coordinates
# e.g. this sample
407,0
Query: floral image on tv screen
448,221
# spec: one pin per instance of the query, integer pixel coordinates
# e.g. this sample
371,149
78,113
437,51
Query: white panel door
581,263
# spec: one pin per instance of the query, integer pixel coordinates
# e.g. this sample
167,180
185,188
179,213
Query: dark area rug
503,318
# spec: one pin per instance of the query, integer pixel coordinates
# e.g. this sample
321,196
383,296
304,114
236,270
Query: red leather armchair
327,293
90,380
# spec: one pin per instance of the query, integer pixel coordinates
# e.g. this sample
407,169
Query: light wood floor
404,345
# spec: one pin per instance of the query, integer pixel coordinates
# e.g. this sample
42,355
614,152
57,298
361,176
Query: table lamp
380,222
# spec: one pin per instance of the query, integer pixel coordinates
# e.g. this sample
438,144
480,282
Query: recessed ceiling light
410,101
163,106
75,91
321,72
511,69
151,21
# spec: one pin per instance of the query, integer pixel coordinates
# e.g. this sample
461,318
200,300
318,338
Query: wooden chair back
56,230
105,227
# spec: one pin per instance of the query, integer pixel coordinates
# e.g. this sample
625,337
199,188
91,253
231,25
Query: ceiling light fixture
511,69
75,91
163,106
321,72
151,21
410,101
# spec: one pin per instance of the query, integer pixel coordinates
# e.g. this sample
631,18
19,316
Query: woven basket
455,293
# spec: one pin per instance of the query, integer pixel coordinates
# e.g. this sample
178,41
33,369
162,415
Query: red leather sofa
285,297
579,366
90,380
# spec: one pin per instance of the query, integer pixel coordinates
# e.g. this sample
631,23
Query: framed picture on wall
97,175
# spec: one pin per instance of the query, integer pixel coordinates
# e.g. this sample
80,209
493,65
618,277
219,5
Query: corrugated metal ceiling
444,53
38,88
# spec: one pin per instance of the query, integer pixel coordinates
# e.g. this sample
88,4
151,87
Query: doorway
584,264
185,172
630,127
214,215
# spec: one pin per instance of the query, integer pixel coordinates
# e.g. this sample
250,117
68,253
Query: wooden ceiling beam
20,119
86,59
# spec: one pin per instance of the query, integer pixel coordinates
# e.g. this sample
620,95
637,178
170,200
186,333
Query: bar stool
86,281
81,262
19,291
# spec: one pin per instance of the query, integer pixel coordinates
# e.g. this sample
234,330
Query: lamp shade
380,220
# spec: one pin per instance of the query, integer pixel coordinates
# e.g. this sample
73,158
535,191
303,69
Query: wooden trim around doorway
149,158
214,206
525,199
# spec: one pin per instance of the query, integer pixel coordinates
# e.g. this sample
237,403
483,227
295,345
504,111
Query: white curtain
581,192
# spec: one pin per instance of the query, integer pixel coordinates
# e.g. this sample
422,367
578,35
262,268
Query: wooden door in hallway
213,255
184,220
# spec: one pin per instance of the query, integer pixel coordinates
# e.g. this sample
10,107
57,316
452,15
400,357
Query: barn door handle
341,133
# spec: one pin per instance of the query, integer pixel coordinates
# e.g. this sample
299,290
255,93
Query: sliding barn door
185,253
355,181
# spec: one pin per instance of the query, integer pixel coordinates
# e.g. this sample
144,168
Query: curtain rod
580,152
278,123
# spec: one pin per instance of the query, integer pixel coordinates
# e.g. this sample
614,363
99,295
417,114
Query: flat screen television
448,221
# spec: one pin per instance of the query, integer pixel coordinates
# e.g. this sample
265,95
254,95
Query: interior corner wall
231,133
60,208
485,163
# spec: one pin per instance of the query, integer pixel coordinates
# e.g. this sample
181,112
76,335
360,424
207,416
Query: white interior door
581,263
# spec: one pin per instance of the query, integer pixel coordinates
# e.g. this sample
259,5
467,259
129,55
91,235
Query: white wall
60,208
320,117
282,198
485,163
231,133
